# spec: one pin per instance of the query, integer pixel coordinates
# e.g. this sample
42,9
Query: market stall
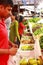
31,44
29,50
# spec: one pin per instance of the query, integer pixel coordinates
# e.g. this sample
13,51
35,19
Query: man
5,49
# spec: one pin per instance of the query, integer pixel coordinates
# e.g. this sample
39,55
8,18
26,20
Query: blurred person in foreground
14,34
6,47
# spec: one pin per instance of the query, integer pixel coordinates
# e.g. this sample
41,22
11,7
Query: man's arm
13,44
11,51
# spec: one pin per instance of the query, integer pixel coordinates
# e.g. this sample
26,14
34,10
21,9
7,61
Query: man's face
5,11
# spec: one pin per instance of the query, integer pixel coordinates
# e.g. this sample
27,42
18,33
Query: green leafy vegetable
34,19
38,31
41,42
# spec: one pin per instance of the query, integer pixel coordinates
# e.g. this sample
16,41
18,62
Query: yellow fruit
39,62
32,61
23,62
35,64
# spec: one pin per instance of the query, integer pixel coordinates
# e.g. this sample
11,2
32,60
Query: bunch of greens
41,42
26,47
26,22
36,26
39,31
35,20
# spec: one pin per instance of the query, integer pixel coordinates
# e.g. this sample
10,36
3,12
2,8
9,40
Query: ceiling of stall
34,3
27,1
21,1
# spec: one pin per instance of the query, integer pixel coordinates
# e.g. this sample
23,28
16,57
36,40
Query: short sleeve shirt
3,42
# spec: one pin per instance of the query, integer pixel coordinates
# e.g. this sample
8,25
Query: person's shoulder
16,21
20,23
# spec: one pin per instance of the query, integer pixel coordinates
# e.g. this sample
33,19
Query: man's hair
6,2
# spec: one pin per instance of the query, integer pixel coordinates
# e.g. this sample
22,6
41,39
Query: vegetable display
31,61
38,31
34,20
26,47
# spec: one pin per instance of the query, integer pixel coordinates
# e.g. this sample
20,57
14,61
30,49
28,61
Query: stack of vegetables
37,29
34,20
31,61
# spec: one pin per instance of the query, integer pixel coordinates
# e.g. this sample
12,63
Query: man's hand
13,51
13,44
